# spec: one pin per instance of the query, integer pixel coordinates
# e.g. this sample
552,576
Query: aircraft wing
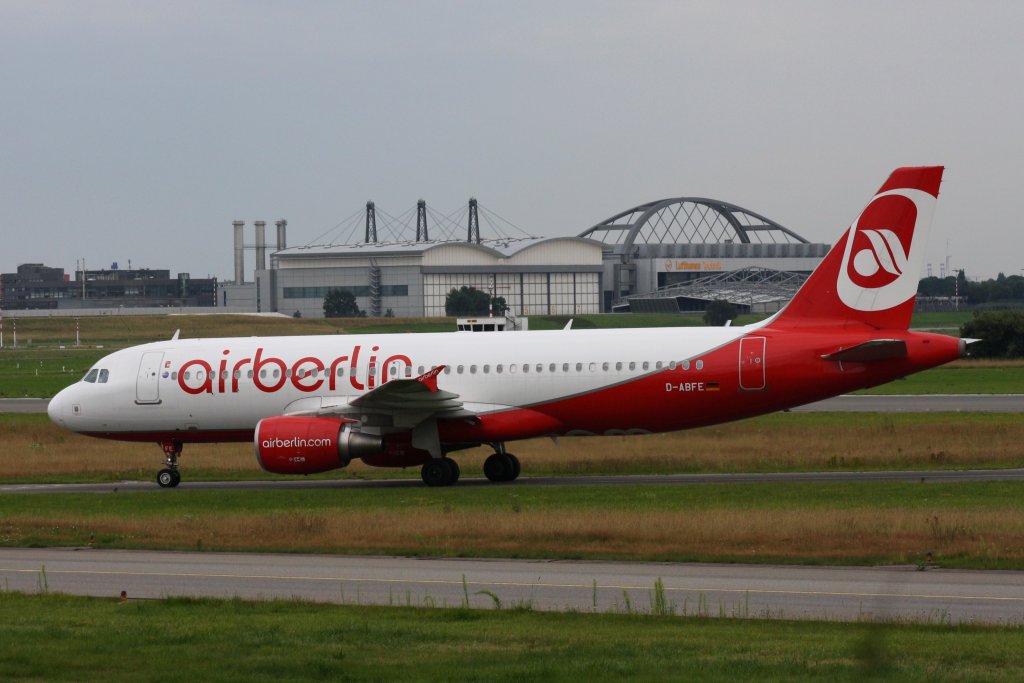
415,395
399,403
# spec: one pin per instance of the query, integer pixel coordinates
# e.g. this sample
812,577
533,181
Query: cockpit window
104,375
91,376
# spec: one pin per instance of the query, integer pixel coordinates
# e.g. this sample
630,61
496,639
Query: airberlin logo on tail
884,251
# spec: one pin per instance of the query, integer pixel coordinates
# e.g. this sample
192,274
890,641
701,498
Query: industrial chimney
239,252
282,225
261,245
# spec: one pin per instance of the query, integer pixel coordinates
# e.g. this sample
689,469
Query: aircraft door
147,384
752,364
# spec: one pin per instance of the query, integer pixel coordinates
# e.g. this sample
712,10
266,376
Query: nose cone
56,408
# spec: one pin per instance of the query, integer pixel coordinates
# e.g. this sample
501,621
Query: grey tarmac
918,476
758,591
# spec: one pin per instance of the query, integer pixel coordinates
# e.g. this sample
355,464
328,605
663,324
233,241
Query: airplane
314,403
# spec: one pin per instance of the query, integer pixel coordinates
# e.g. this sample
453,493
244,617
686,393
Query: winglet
176,333
430,378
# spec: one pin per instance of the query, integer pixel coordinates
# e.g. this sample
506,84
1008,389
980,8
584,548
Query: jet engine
305,445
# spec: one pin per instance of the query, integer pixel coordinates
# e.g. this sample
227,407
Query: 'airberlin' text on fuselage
270,374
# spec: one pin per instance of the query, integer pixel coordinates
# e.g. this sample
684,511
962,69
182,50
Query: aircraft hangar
676,254
668,255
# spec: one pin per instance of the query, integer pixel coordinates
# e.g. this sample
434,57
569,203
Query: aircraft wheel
437,472
456,471
168,478
499,467
516,467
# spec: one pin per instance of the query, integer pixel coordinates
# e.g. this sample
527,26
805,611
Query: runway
920,403
915,476
852,403
758,591
23,405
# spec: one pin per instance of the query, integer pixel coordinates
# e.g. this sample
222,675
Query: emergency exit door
752,364
147,384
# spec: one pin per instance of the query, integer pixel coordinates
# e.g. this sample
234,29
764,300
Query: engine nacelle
305,445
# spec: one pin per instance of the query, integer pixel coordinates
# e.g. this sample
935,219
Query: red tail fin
871,275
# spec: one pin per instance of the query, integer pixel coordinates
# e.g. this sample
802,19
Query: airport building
412,278
669,255
38,287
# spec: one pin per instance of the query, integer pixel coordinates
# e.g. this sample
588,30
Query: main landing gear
440,472
169,477
501,466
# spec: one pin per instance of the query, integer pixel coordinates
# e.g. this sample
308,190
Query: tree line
1000,289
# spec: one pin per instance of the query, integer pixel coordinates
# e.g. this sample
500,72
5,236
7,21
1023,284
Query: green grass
957,379
62,638
940,320
41,373
993,495
293,521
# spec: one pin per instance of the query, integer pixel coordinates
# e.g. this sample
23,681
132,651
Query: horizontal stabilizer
876,349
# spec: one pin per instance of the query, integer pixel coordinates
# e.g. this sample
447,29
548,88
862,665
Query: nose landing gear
169,477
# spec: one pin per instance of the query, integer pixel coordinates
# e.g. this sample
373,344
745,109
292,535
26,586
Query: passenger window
340,373
498,368
604,366
392,371
647,365
618,367
632,365
686,365
460,370
592,367
671,365
249,374
540,367
472,369
551,368
487,369
420,370
565,367
447,369
187,376
512,369
276,373
174,375
526,368
700,365
657,366
104,374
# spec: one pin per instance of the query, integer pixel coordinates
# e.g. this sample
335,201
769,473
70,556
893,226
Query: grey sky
140,130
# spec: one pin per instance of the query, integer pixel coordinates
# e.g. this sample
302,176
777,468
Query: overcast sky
139,130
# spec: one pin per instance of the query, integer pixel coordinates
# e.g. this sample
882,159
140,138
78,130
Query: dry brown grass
35,448
827,535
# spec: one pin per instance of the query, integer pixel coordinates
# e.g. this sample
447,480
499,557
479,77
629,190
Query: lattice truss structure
690,220
750,286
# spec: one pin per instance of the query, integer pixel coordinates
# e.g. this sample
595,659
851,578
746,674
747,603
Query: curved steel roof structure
689,220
